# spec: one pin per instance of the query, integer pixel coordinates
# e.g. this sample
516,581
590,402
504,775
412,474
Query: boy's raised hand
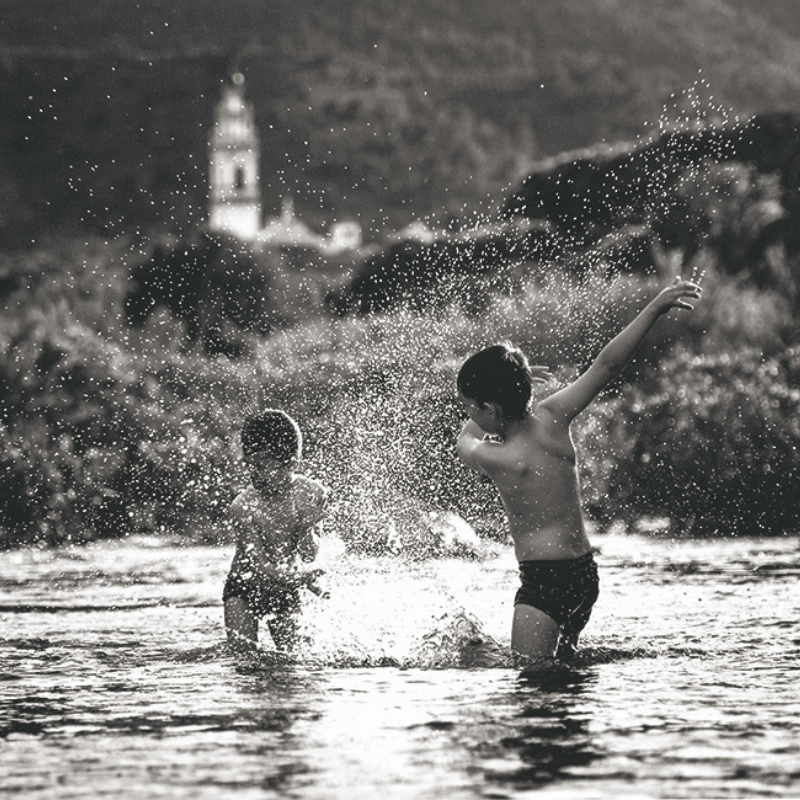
540,374
309,580
677,295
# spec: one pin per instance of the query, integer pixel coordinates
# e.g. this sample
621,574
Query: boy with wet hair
529,455
273,521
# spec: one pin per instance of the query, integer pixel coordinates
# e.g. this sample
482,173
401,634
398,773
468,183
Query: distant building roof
288,230
417,231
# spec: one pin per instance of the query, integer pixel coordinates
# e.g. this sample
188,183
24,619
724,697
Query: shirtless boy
529,454
273,520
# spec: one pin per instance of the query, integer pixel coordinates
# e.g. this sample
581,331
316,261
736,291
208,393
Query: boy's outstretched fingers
677,295
540,373
688,289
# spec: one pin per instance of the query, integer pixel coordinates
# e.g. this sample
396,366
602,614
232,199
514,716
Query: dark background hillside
374,109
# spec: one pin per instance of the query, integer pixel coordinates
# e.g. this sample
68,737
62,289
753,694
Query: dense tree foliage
206,282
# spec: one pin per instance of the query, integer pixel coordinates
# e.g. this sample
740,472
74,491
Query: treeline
383,111
109,430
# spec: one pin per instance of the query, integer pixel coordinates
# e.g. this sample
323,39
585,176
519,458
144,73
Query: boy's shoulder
246,501
310,497
539,434
309,490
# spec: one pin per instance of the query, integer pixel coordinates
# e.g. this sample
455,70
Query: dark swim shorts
262,597
564,590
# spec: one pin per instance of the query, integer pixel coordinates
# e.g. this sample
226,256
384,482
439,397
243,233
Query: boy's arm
567,403
307,549
308,545
312,498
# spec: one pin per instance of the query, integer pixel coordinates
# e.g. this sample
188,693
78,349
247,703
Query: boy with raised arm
273,520
529,454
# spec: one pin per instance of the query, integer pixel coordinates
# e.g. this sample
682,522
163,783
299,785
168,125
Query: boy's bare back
534,469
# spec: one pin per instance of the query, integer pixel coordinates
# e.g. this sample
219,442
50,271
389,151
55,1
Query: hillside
380,110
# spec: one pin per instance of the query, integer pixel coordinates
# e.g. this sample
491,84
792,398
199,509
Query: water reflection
534,729
551,730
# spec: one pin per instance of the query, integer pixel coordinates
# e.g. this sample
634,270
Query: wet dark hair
274,433
498,374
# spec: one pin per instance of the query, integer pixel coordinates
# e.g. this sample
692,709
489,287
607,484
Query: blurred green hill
378,110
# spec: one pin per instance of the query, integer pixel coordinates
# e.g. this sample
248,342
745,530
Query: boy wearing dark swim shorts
274,522
529,454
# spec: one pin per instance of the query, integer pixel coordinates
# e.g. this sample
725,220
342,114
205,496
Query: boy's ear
495,409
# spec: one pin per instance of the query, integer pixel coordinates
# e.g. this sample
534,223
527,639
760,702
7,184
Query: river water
115,681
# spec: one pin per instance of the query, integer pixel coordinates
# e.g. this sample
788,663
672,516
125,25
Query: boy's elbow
467,457
463,451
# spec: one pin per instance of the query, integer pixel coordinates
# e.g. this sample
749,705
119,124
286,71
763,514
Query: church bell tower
234,149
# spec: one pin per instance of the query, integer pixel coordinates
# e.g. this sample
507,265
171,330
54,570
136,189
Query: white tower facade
234,151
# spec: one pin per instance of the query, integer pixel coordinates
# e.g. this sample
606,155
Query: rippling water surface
115,682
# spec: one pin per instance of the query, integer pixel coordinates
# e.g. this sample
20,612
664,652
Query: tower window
238,180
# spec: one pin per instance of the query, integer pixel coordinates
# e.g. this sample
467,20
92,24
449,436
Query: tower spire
234,150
